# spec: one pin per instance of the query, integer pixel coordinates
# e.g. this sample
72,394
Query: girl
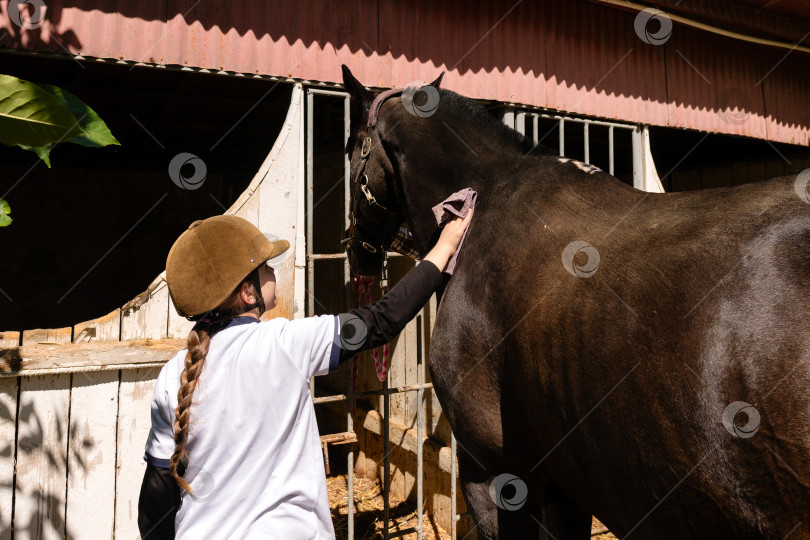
250,464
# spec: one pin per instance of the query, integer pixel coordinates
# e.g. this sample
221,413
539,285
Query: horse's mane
490,125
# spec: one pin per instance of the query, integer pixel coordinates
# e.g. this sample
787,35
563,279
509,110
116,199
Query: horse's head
376,210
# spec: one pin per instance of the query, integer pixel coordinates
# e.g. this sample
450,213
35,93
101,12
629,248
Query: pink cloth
456,205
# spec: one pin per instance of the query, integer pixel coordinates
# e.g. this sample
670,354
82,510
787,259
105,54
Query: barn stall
253,91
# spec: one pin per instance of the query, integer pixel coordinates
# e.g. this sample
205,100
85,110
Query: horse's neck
428,193
443,170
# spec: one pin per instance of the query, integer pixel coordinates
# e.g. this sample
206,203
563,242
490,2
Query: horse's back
696,302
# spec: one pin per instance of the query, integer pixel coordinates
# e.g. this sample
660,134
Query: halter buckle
367,192
366,149
368,247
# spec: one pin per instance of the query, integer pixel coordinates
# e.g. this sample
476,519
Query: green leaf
95,132
44,152
5,210
31,116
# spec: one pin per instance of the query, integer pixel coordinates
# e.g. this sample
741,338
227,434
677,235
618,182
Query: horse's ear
356,90
438,81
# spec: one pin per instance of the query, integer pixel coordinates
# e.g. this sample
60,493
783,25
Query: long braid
198,342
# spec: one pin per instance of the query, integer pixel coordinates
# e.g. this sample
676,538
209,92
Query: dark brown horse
601,350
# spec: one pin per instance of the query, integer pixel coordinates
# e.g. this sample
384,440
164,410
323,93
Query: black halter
377,211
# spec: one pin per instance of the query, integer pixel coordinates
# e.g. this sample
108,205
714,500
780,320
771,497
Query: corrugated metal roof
708,85
791,8
572,56
747,16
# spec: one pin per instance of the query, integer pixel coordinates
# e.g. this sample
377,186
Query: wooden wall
77,439
74,401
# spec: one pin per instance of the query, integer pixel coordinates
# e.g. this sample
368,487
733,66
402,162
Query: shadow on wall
40,497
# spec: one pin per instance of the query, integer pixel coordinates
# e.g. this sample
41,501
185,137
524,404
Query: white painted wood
250,209
134,420
409,410
90,355
104,328
279,199
8,419
39,504
9,339
149,320
91,454
650,180
47,335
397,358
300,248
179,326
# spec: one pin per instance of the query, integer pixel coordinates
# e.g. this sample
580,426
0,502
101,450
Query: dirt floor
369,513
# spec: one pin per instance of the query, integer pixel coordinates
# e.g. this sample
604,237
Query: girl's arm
384,319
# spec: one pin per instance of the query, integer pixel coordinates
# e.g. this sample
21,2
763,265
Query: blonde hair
199,339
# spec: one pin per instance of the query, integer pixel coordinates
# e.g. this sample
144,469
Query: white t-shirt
254,455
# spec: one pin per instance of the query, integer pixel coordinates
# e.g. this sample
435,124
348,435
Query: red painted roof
574,56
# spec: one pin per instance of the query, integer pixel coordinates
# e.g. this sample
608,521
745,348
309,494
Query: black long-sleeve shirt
381,322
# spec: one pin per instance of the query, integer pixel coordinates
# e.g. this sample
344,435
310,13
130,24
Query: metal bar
508,116
576,120
586,142
386,458
453,517
420,429
310,114
610,149
562,137
347,289
322,92
367,393
322,256
520,123
638,167
536,128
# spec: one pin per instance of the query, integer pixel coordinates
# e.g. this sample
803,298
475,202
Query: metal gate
540,127
348,396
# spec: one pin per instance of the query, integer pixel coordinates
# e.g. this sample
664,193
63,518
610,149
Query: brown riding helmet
211,258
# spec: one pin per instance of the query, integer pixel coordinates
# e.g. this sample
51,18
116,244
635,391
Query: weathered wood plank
285,289
42,458
9,339
250,209
18,360
179,327
148,319
105,328
8,420
134,399
434,419
47,335
409,335
91,454
405,437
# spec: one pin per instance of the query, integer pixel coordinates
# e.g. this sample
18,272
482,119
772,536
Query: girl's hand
449,240
453,232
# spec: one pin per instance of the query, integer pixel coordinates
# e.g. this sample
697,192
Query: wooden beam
19,360
9,339
47,335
